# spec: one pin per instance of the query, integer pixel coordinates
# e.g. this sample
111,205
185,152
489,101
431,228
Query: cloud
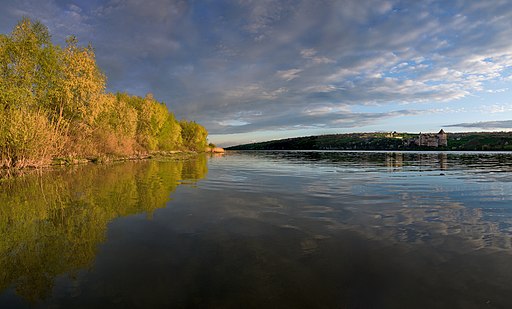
308,53
233,123
311,55
289,75
310,118
486,125
497,90
62,20
324,109
495,108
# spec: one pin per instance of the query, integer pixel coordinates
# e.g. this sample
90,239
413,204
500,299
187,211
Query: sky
257,70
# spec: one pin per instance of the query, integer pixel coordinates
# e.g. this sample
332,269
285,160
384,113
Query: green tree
169,137
82,84
53,103
151,118
194,135
115,127
28,71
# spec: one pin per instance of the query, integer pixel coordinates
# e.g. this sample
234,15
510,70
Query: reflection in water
264,229
52,223
394,160
426,197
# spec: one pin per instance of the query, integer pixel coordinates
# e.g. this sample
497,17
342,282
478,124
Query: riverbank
9,172
55,109
104,159
214,149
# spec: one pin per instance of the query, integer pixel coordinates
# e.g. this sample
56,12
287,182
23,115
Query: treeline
480,141
467,141
53,103
351,141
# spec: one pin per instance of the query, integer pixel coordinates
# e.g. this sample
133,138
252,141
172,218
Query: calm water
262,230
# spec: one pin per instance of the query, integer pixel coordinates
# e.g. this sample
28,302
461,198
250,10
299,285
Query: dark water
262,230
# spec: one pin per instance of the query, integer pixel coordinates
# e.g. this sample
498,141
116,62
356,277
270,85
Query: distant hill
385,141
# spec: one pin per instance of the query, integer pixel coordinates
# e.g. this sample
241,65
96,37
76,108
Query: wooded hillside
496,141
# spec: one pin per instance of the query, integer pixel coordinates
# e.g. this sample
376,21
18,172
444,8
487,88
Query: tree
82,84
28,70
53,103
28,65
193,135
169,137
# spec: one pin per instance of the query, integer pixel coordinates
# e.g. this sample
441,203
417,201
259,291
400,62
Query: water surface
262,229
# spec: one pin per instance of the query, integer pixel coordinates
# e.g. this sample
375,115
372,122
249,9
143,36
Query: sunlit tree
53,103
194,135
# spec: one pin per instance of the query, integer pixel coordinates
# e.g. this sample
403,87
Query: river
269,229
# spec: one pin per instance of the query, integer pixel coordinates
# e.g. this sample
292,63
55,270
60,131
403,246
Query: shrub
28,138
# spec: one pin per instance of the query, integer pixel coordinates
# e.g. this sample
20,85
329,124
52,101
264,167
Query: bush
28,138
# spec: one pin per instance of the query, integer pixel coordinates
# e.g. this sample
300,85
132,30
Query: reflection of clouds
429,225
415,204
423,225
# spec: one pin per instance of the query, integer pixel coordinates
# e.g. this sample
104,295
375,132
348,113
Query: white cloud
495,108
289,75
486,125
233,123
322,60
322,88
308,53
497,90
323,109
311,53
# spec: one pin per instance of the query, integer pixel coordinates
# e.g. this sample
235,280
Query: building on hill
443,138
432,140
394,135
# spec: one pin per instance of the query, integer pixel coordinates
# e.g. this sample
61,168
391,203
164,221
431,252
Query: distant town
471,141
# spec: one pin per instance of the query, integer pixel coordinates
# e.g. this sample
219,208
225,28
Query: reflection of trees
52,223
402,160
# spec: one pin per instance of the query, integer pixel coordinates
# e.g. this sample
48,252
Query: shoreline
68,161
372,150
8,172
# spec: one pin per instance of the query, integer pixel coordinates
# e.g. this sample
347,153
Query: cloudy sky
254,70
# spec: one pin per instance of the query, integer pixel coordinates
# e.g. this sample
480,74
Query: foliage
53,103
169,137
360,141
27,136
151,118
193,135
494,141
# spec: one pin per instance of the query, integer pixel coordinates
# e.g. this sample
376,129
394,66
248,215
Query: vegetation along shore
468,141
54,108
